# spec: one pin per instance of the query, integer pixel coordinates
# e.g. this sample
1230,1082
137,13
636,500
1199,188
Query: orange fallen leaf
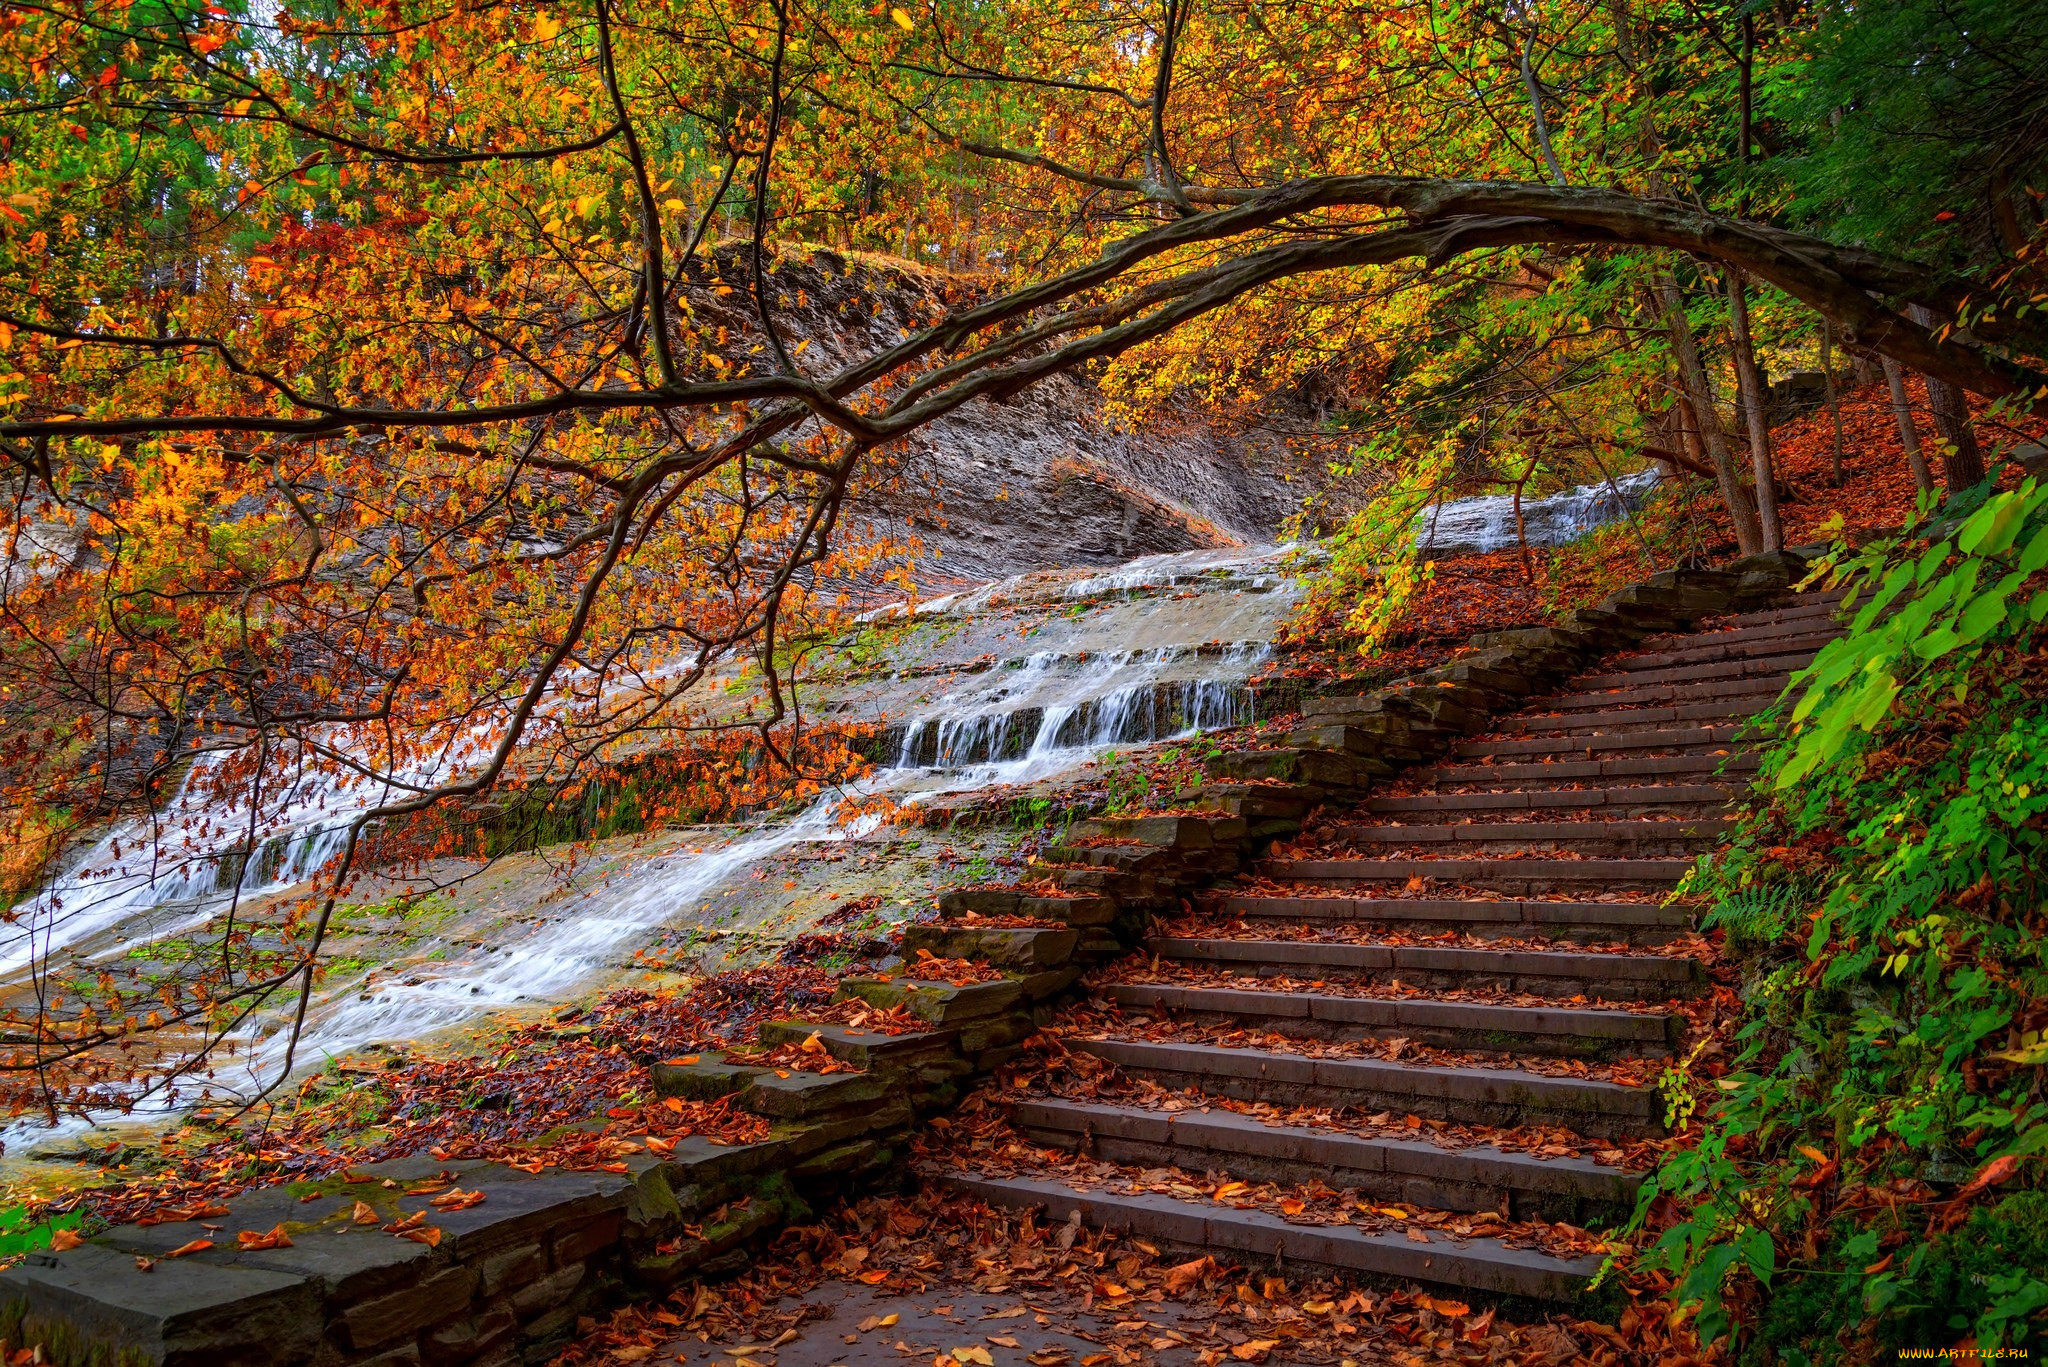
430,1236
250,1241
196,1246
364,1215
64,1240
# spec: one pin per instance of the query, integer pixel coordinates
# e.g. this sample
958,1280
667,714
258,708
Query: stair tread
1592,1022
1226,1130
1349,954
1476,1264
1673,795
1504,909
1616,1098
1576,870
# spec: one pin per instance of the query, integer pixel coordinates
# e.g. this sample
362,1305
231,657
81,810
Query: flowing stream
1011,683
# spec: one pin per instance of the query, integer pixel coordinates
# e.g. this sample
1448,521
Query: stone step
1476,1265
1621,838
1625,741
1810,626
1584,721
1470,1096
1412,1171
1620,772
1687,800
1707,650
1517,876
1632,922
1552,1031
1548,973
1756,694
1804,608
1622,677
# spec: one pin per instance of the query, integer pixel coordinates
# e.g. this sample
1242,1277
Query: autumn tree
407,393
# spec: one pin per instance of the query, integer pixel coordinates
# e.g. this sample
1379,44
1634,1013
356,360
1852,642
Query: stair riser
1534,1044
1805,643
1609,745
1559,724
1770,666
1622,773
1639,847
1606,988
1454,813
1459,1110
1524,1287
1439,1193
1505,876
1753,694
1593,924
1700,802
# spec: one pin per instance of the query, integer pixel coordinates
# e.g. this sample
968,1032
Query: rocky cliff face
1042,481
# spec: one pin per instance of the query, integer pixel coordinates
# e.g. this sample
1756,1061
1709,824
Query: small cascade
1133,663
1477,526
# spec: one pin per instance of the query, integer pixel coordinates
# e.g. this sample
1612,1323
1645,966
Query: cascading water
1141,664
1476,526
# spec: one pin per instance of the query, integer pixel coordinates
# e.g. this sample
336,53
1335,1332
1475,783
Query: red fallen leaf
1991,1174
196,1246
621,1113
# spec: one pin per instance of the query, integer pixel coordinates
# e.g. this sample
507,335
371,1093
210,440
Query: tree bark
1700,390
1749,385
1827,373
1962,462
1909,436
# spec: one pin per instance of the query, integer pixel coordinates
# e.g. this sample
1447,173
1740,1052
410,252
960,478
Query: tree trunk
1827,373
1693,376
1749,386
1962,463
1909,436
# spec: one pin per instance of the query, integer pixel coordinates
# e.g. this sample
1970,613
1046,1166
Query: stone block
545,1292
521,1210
1039,986
469,1338
92,1304
841,1160
404,1313
868,1050
707,1079
585,1239
510,1268
940,1003
804,1095
1017,947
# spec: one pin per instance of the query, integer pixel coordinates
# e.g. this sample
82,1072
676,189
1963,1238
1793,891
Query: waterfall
1476,526
1014,717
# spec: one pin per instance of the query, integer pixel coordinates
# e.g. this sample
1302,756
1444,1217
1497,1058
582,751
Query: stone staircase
1482,941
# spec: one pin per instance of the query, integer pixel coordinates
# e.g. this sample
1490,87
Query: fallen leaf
196,1246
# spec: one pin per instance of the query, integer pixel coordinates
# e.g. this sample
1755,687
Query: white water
1026,718
1475,526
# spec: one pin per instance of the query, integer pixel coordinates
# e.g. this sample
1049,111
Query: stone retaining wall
511,1275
